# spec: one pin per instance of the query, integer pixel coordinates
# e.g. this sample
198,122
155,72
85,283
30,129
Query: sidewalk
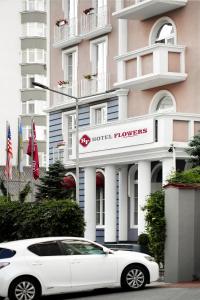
185,284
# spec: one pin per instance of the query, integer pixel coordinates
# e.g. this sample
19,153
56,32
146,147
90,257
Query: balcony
151,67
95,23
66,35
59,100
33,5
94,84
144,9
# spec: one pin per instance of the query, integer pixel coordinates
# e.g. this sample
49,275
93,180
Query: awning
99,179
69,182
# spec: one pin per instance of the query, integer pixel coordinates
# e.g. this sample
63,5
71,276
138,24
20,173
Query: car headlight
149,258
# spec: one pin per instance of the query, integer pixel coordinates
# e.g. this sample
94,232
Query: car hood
134,254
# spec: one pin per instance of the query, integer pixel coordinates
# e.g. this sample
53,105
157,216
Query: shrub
48,218
188,176
155,225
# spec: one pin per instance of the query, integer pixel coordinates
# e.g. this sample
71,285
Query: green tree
194,150
156,224
52,185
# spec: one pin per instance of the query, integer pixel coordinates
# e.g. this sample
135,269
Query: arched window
163,31
163,101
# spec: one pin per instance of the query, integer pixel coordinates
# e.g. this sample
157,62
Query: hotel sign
117,136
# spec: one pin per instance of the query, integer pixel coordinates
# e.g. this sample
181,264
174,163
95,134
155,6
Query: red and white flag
32,151
9,153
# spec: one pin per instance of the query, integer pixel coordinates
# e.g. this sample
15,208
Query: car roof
28,242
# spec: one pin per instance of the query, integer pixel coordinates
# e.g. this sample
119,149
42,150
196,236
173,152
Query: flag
9,152
32,151
20,148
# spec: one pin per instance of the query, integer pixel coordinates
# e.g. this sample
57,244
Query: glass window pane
165,103
165,33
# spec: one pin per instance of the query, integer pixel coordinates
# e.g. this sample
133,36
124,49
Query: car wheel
24,288
134,278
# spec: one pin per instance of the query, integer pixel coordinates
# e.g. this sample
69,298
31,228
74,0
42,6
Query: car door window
46,249
77,247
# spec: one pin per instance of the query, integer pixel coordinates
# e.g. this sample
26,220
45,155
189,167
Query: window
29,78
69,126
100,206
163,31
40,133
6,253
34,56
58,154
163,101
165,34
70,70
98,114
75,247
46,249
99,64
33,107
34,29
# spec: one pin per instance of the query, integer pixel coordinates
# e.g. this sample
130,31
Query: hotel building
134,66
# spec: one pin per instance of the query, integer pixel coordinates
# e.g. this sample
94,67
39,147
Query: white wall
10,78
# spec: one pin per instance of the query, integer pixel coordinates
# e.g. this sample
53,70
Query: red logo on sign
85,140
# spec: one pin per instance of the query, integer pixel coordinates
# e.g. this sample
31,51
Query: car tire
24,287
134,277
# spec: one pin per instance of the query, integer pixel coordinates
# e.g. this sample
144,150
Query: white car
32,268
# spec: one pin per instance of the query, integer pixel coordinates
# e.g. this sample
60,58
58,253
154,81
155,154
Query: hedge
47,218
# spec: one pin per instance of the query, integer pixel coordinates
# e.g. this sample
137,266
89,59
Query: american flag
9,153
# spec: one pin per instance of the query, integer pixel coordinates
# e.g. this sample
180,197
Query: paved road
158,291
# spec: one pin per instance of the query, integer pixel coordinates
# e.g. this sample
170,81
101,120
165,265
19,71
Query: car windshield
6,253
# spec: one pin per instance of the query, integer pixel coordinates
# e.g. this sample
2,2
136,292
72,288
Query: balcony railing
144,9
34,5
58,99
67,34
33,56
98,83
95,23
153,66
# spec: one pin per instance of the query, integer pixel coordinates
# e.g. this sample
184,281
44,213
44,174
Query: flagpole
32,150
18,158
7,175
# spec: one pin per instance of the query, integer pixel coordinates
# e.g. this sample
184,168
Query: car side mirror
106,251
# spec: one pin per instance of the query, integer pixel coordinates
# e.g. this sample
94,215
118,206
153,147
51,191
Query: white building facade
23,57
133,66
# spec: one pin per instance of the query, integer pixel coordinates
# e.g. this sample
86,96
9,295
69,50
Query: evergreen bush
156,225
47,218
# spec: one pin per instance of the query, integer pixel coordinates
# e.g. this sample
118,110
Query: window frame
102,77
71,89
93,108
157,25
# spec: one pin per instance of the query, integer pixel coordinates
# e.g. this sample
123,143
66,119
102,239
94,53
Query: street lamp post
42,86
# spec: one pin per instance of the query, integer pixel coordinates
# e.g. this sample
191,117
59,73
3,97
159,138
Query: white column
90,203
144,190
122,102
167,168
123,204
110,204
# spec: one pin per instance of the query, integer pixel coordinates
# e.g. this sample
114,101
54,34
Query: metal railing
97,83
94,20
66,31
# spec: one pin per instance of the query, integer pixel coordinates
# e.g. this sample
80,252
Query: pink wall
187,20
